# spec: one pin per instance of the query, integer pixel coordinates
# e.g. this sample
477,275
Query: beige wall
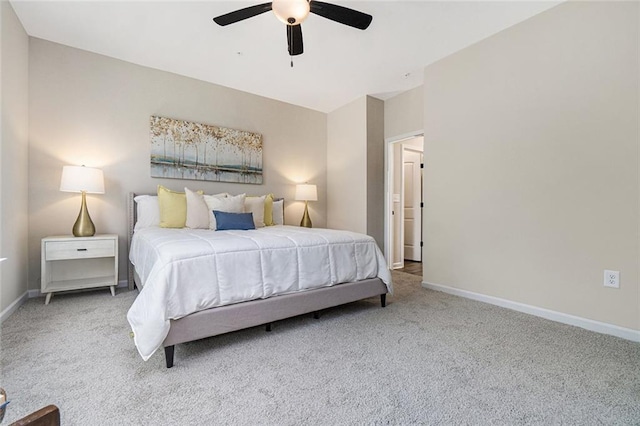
14,62
375,169
347,167
404,113
355,168
403,117
531,152
89,109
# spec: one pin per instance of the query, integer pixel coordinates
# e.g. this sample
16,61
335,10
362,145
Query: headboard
131,223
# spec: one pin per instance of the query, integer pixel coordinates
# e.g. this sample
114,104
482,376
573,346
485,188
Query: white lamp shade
306,192
81,178
291,12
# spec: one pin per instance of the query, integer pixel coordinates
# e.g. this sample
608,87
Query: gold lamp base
84,226
306,220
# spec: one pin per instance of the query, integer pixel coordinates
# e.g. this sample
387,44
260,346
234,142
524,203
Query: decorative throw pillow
255,205
173,208
231,204
268,210
197,210
278,212
147,211
228,221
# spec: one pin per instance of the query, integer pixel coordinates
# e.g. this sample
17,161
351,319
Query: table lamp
306,193
84,180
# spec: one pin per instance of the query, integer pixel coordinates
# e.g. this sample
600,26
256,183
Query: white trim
404,137
388,153
597,326
388,157
13,307
414,150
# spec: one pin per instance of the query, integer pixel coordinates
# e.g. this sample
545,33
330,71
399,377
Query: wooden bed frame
224,319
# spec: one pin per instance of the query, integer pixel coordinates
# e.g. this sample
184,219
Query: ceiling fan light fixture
291,12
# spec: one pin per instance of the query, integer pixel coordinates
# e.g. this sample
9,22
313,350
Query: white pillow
278,212
197,210
255,205
231,204
147,211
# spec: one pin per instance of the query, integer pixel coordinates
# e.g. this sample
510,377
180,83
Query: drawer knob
82,249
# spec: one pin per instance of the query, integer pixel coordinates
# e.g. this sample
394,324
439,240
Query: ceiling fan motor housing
291,12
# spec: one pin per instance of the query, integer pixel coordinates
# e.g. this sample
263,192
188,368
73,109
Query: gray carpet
427,358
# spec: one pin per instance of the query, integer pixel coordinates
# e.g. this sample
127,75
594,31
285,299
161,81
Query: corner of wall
14,116
375,170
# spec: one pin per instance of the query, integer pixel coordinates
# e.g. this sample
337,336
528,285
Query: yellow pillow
173,208
268,210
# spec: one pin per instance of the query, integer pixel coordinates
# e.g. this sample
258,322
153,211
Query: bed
189,286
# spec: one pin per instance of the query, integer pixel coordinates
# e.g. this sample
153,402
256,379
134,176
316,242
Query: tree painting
186,150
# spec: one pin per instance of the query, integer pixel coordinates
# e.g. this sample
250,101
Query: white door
412,205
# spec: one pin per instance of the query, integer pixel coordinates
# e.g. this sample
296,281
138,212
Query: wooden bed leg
268,328
168,354
316,315
383,300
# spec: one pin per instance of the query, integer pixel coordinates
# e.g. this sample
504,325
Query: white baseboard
12,307
597,326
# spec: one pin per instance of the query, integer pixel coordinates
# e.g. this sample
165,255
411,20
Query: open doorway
403,215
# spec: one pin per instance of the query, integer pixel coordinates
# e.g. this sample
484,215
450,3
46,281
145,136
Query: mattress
188,270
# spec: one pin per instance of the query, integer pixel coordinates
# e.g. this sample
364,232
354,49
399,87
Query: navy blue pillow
227,221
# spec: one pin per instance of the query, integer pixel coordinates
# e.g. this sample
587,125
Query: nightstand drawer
83,249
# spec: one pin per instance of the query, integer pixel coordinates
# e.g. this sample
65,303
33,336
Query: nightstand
75,263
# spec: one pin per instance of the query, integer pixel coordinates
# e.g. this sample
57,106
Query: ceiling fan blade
340,14
294,39
242,14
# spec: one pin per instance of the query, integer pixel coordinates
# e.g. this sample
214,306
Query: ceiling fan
293,12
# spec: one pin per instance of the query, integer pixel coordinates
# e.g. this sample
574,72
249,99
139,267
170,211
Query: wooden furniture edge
46,416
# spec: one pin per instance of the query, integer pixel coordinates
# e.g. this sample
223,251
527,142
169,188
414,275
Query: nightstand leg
113,290
48,299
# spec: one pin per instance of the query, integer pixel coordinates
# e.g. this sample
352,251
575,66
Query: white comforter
188,270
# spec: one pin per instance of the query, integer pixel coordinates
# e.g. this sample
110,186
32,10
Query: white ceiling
339,63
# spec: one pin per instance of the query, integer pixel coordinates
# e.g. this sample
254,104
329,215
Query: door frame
388,193
421,154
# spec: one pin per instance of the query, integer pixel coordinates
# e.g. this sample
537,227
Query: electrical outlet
611,278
